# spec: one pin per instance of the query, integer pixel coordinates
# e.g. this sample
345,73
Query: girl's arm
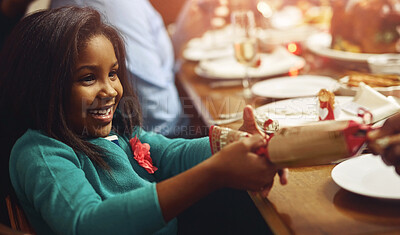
235,166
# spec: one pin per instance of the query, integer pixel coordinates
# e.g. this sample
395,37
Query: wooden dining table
311,202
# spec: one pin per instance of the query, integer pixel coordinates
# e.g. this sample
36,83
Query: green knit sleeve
173,156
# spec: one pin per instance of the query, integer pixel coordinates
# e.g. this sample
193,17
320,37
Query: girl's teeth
101,112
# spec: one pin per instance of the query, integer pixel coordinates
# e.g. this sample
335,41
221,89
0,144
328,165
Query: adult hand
386,142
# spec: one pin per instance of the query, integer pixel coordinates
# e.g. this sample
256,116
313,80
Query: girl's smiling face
96,89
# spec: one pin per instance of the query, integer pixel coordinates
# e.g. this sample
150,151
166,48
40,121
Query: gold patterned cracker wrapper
311,144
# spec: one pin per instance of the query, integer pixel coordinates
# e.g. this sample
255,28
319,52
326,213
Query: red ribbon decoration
141,153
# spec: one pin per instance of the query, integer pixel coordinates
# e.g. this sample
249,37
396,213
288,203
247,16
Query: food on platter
372,80
387,84
366,26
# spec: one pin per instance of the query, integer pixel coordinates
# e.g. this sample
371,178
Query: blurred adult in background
150,61
11,11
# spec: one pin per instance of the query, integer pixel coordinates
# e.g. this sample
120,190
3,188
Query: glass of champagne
245,44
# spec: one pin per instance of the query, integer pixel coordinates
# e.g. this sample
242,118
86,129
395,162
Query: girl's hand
250,126
249,122
237,166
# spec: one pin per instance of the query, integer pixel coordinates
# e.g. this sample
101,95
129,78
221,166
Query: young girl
82,164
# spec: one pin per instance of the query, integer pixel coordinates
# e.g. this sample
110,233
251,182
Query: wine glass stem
246,84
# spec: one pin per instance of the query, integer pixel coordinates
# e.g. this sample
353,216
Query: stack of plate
280,61
212,44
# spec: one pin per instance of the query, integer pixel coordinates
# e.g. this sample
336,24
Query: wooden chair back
17,216
5,230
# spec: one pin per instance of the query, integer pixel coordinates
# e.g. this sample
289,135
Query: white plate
320,44
278,62
202,53
292,112
211,45
367,175
283,36
292,87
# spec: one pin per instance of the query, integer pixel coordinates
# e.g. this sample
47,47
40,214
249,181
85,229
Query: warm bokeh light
217,22
264,9
293,48
223,2
293,72
221,11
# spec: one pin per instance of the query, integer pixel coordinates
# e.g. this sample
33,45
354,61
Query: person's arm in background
386,142
193,12
204,15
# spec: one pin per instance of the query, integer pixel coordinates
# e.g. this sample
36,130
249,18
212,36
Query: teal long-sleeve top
63,192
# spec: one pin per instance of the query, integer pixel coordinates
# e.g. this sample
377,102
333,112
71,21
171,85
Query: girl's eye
113,75
88,80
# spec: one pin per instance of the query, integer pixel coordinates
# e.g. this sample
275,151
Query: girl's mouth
103,114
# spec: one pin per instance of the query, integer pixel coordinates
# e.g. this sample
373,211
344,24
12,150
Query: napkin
380,106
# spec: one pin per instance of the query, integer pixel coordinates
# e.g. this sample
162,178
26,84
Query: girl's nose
108,90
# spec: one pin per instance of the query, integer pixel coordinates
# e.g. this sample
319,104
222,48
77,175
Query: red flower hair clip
141,153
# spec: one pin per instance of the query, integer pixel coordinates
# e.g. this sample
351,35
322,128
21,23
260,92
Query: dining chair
5,230
18,220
